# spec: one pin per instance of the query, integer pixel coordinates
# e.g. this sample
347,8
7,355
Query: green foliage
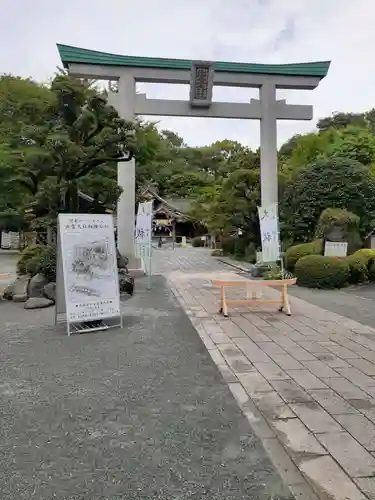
36,259
346,222
327,183
361,265
318,271
354,143
48,262
197,242
28,254
296,252
275,272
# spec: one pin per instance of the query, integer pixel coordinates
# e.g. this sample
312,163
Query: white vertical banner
143,236
269,231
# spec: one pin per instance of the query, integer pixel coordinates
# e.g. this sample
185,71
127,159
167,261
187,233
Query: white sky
260,31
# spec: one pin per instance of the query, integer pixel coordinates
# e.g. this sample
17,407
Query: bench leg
221,299
225,307
285,301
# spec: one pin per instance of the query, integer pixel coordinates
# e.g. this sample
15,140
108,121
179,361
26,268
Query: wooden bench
253,285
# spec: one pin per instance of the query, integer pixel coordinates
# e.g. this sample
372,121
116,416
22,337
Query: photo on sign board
90,263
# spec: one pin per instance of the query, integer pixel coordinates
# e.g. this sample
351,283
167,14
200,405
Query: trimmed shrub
197,242
342,221
296,252
48,262
217,252
38,259
29,253
361,265
318,271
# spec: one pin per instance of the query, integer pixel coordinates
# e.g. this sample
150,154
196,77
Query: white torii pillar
124,102
268,145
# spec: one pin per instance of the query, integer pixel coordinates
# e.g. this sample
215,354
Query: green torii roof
76,55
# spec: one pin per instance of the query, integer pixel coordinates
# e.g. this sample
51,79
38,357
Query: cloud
241,30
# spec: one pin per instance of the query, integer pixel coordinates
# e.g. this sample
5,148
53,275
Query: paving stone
287,362
282,461
357,377
290,391
294,435
366,367
271,348
313,347
306,379
332,402
315,418
216,356
299,353
345,388
251,331
360,428
303,491
320,369
352,457
235,359
332,360
282,340
342,352
239,393
227,374
232,330
254,383
272,406
367,485
330,479
258,423
271,371
252,351
219,338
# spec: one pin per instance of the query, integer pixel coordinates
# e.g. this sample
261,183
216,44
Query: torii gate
201,76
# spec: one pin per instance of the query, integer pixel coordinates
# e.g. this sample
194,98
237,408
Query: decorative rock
49,291
8,292
18,291
126,282
37,284
122,262
38,303
259,270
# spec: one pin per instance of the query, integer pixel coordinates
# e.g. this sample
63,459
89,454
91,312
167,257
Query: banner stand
89,300
143,238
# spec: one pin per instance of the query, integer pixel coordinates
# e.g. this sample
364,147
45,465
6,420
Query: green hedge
318,271
361,266
296,252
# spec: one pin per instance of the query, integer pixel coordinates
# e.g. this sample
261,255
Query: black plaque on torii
201,84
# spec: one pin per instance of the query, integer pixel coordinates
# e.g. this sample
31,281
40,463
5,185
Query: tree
356,143
80,133
327,183
341,120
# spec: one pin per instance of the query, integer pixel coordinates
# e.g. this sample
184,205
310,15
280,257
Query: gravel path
138,413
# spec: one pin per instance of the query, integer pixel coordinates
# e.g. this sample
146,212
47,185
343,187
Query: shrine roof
77,55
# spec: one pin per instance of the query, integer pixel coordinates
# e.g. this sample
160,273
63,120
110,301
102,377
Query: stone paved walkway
306,383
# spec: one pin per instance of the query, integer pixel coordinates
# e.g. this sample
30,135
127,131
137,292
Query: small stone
38,303
18,290
37,284
49,291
